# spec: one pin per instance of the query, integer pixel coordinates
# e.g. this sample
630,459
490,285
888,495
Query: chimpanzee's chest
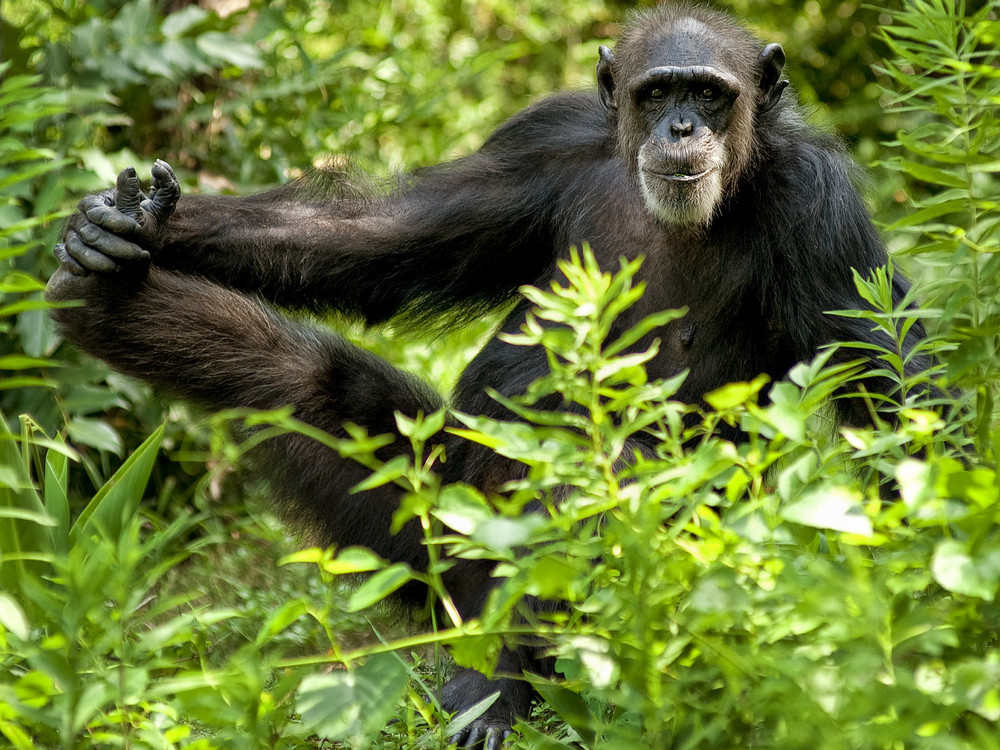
731,330
726,337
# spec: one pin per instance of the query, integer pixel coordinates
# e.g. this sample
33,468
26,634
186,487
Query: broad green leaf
96,433
550,576
961,571
229,50
830,507
352,706
789,420
479,652
178,23
379,586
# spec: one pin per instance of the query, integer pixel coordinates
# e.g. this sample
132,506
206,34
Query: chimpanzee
687,154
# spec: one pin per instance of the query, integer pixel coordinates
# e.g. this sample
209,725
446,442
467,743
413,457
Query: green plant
25,340
946,77
708,607
707,594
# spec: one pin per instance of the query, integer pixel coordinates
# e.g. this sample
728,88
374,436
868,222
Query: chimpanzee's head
686,87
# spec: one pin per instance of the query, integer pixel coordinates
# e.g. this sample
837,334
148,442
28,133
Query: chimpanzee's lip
679,176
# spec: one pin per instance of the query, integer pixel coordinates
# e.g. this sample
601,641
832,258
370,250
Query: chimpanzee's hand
116,230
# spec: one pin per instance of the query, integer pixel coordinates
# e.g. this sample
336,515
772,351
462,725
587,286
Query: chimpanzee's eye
656,94
709,92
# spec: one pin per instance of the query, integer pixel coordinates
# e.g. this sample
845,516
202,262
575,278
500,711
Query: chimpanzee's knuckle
89,232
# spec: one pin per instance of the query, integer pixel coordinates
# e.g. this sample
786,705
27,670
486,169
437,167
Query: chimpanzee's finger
67,261
165,192
88,257
95,208
129,195
112,245
495,738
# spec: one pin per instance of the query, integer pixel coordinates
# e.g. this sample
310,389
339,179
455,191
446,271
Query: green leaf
39,519
644,326
389,472
354,560
229,50
379,586
24,174
182,21
929,174
422,428
933,211
119,498
12,617
789,420
550,576
479,652
20,362
469,715
96,433
352,706
281,619
25,526
571,707
830,507
961,572
539,741
18,282
506,534
735,394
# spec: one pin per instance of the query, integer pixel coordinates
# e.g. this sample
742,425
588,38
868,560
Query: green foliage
742,596
766,594
21,162
947,75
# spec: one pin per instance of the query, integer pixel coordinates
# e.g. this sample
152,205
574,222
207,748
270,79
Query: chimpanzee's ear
771,61
605,79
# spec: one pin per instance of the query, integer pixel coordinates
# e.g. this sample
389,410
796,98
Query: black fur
177,295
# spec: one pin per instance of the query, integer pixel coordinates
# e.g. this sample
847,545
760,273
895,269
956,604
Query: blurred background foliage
240,95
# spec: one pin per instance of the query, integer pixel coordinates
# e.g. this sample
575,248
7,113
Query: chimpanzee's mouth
679,176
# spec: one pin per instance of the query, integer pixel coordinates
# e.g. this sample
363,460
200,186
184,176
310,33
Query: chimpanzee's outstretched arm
469,232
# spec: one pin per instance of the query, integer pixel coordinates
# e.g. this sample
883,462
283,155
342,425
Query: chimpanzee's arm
226,350
472,231
204,341
468,232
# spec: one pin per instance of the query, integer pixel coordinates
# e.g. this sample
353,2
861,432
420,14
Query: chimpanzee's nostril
681,129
